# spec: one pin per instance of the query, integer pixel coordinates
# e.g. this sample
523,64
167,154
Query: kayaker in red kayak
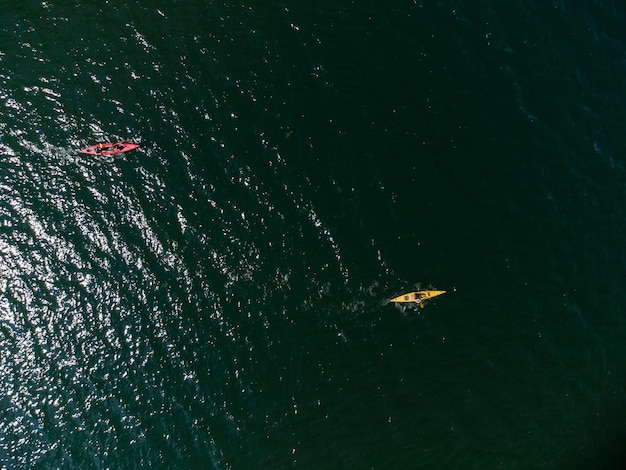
110,148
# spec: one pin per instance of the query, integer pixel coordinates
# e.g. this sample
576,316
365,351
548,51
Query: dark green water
218,298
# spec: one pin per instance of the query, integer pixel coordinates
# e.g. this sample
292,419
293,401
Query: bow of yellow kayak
417,296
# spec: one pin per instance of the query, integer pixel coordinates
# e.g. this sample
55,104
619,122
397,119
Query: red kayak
109,148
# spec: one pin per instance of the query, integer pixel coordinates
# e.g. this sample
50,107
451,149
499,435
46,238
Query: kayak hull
417,296
110,148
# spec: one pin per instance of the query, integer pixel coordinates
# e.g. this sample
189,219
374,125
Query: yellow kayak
417,296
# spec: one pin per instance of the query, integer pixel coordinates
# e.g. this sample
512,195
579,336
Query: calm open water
218,298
